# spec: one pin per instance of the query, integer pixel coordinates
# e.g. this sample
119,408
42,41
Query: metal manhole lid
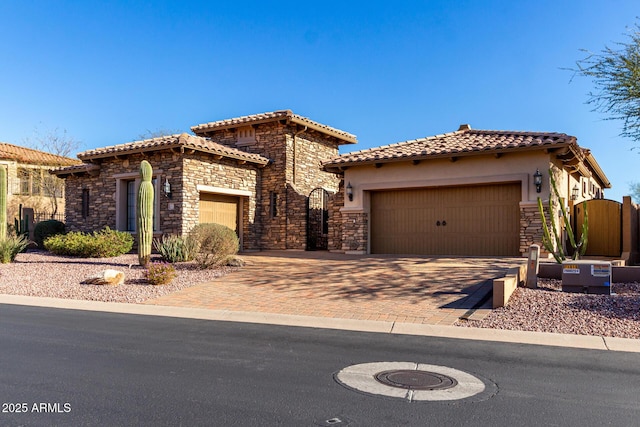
411,379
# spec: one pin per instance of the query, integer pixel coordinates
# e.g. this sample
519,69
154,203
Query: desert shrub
176,248
216,243
100,244
160,273
45,229
11,246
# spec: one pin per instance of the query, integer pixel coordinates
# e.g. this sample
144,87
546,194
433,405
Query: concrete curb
442,331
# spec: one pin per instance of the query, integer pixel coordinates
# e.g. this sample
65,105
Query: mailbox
587,276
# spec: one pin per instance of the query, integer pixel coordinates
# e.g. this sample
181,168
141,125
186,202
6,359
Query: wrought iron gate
317,219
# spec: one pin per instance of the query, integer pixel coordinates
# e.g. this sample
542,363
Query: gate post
532,267
630,250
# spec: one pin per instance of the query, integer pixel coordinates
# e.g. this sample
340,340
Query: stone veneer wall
294,171
336,202
178,214
531,231
355,231
199,169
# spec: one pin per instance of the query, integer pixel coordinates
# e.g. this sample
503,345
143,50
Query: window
131,206
85,203
36,182
24,182
126,200
273,204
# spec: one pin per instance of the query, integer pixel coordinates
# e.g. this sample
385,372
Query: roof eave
208,128
450,155
127,152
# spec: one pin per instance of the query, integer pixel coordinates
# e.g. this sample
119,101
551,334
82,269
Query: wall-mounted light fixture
574,192
350,192
166,187
537,180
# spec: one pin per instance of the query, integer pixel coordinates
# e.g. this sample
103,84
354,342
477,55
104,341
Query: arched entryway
317,220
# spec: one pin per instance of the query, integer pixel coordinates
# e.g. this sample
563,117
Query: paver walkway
415,289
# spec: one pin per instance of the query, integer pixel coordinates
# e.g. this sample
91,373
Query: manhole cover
415,380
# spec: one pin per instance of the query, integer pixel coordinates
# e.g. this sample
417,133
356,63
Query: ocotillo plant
3,202
553,244
145,213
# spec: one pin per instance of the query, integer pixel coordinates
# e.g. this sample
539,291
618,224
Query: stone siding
531,231
355,232
336,202
178,214
295,170
296,155
198,169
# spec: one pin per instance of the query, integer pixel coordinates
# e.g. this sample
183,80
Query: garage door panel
219,209
480,220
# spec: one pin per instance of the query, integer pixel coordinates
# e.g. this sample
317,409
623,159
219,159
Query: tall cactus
3,202
553,244
145,213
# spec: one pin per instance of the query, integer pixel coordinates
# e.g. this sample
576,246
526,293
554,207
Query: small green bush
216,243
100,244
45,229
11,246
160,273
176,248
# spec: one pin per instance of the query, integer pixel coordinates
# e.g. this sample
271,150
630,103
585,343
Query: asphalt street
70,367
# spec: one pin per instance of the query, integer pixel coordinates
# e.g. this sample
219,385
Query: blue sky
108,72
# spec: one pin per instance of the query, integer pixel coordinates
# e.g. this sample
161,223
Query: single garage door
481,220
219,209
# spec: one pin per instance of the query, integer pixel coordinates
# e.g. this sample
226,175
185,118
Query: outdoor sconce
574,192
350,192
537,180
166,187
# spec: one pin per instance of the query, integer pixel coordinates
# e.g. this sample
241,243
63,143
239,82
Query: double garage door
481,220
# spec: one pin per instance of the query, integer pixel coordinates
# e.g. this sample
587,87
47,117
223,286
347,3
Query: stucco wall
516,167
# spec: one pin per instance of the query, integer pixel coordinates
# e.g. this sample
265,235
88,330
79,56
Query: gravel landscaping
545,309
42,274
548,309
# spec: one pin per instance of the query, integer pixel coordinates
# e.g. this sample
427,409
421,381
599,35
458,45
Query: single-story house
260,175
28,182
468,192
278,180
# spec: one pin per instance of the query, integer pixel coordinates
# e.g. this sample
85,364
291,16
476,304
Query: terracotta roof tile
270,117
33,157
460,143
173,141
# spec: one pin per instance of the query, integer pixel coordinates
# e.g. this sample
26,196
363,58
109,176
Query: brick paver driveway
417,289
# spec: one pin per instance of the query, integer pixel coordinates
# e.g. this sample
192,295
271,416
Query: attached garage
219,209
480,220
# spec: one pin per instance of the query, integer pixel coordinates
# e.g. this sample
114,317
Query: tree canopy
616,75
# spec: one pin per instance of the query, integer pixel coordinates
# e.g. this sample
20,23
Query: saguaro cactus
3,202
145,213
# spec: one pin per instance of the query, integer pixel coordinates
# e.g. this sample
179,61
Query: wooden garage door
219,209
471,220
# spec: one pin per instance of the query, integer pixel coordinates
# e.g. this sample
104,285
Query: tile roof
345,137
464,142
173,141
33,157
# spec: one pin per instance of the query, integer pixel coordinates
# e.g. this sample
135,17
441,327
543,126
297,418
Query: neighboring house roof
33,157
287,115
469,142
178,141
